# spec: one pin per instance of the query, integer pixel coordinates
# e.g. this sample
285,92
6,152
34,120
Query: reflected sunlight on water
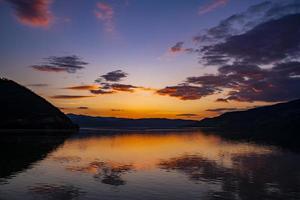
153,165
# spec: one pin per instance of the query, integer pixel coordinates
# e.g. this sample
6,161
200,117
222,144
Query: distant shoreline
138,129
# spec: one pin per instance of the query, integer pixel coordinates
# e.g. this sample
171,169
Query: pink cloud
33,13
177,48
106,13
214,4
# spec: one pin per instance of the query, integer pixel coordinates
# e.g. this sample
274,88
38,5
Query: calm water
145,165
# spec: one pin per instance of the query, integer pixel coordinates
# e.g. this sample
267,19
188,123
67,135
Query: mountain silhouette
279,121
23,109
112,122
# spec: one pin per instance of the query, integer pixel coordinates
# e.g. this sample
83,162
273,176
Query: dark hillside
23,109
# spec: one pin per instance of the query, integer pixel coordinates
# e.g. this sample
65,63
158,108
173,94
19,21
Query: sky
185,59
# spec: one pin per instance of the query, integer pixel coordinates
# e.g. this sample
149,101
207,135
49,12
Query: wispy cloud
106,13
223,110
214,4
69,64
102,91
83,108
186,92
82,87
179,48
116,110
33,12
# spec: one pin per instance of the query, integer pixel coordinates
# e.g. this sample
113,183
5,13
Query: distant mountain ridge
275,121
113,122
23,109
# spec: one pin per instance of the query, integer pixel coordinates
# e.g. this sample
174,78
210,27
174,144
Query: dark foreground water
145,165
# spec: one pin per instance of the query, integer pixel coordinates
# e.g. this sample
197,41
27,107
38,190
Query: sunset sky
153,58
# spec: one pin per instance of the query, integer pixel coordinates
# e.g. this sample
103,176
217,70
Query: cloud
33,13
105,13
222,110
101,91
245,82
70,97
38,85
117,110
214,4
114,88
187,115
186,92
244,21
266,43
83,108
222,100
69,64
256,53
82,87
108,84
123,87
114,76
178,47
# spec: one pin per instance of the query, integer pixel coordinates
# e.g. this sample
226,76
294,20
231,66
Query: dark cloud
114,76
116,110
279,83
123,87
82,87
222,100
38,85
101,91
222,110
264,33
187,115
242,22
257,53
186,92
69,64
108,84
267,43
83,108
32,12
244,82
107,88
70,97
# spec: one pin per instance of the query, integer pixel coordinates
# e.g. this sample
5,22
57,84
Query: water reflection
251,177
149,165
19,152
55,192
108,172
